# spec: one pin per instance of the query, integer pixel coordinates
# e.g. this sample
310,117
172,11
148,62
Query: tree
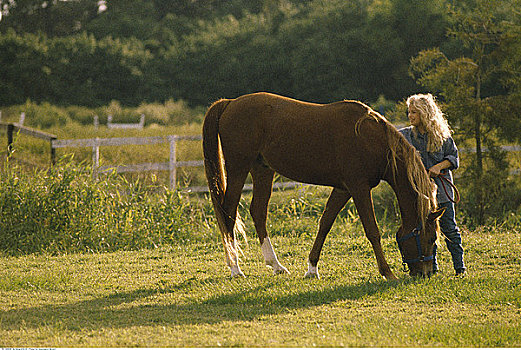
474,88
23,74
52,17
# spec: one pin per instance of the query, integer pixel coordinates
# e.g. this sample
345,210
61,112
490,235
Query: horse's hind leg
236,176
262,184
337,199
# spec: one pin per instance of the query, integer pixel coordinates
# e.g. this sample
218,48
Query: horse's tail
213,158
216,174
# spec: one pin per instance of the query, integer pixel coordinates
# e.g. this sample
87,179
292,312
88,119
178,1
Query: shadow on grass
112,312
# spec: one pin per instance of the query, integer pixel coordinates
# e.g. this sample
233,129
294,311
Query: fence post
10,129
53,152
172,165
95,158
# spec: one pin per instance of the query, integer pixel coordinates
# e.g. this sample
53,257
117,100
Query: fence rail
13,128
170,166
485,149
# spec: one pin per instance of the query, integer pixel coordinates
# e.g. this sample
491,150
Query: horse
345,145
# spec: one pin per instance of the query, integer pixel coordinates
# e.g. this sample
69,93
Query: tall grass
46,115
65,210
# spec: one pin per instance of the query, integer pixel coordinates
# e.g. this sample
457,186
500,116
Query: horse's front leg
337,199
364,205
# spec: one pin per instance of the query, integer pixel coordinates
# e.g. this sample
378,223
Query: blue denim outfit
448,226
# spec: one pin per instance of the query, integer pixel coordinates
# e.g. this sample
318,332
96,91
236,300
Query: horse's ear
436,214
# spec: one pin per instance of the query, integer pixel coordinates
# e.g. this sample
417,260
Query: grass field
180,293
181,296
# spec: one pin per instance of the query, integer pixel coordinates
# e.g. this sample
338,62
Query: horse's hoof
391,277
312,275
281,270
312,271
236,272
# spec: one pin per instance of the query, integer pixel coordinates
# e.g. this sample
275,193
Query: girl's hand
435,170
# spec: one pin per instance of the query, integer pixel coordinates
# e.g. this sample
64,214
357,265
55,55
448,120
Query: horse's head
417,246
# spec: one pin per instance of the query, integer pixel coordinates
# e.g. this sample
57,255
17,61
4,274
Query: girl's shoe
461,272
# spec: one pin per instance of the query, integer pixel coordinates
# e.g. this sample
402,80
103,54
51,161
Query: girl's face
414,116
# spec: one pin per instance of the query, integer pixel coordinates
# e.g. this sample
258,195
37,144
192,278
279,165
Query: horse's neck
407,200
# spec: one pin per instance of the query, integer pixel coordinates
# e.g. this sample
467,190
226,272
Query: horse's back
308,142
279,115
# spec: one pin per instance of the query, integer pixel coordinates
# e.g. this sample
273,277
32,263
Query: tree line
87,52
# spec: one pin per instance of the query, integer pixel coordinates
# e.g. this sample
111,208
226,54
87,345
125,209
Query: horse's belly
304,166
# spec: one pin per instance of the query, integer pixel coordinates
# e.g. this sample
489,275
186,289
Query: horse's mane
401,149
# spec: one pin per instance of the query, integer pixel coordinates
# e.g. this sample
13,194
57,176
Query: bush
502,203
65,210
170,113
45,115
41,116
81,115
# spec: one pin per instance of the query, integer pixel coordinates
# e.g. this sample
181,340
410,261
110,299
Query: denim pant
452,236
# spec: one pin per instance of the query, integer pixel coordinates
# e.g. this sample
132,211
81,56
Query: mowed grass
182,296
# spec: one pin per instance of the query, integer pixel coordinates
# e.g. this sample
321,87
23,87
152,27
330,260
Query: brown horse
345,145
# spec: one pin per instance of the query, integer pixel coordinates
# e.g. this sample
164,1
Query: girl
430,134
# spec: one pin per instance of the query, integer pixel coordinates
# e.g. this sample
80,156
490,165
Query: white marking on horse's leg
270,258
232,259
236,271
234,266
312,271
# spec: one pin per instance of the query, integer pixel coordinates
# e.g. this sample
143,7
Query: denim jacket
448,151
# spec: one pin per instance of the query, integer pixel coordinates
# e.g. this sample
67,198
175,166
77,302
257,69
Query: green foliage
171,113
42,116
65,210
199,51
54,18
23,74
90,72
45,115
80,115
329,51
478,99
73,70
386,108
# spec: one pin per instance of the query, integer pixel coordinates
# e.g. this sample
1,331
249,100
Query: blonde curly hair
432,119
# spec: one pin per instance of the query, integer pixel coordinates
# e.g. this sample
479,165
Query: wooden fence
13,128
173,163
171,166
